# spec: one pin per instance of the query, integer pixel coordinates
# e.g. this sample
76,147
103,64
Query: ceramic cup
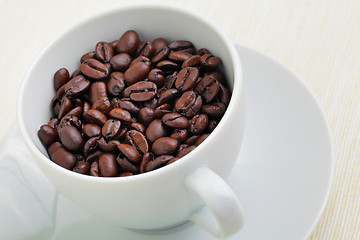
189,189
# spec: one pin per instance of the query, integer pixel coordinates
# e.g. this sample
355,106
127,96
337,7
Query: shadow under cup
155,199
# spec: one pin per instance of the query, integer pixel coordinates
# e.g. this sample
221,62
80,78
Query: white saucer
282,177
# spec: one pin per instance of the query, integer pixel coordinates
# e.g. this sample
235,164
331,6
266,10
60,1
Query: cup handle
223,215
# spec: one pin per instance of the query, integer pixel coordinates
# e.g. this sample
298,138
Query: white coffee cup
191,188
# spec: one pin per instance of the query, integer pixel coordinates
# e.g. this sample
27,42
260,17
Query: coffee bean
127,166
146,115
84,57
90,145
214,110
167,66
170,80
152,103
53,147
116,84
103,105
108,165
128,43
161,110
141,59
160,55
182,45
53,123
224,94
125,104
174,159
91,130
138,140
82,167
120,62
61,77
156,76
180,134
120,114
175,120
200,139
159,43
219,76
136,72
185,151
179,56
155,130
158,162
69,120
168,96
71,138
138,126
208,88
94,69
191,140
187,78
146,49
149,156
209,61
76,86
125,174
141,91
94,156
202,51
104,52
199,123
108,146
64,158
165,145
47,135
189,104
212,124
65,106
95,116
129,152
77,111
96,91
94,169
111,128
191,61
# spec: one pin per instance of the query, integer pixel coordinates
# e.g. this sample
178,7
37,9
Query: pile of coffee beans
134,106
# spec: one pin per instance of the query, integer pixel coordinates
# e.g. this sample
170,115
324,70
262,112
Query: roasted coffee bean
136,72
158,162
175,120
94,156
138,140
141,59
94,69
224,95
86,107
90,145
47,135
170,80
214,110
151,103
59,94
107,146
219,76
128,43
125,104
138,126
91,130
107,165
182,45
159,43
156,76
149,156
114,45
209,61
146,49
179,56
212,124
61,77
127,166
165,145
65,106
64,158
180,134
120,114
76,86
94,169
111,128
102,105
174,159
69,120
187,78
122,133
161,110
185,151
191,61
53,122
189,104
141,91
202,51
155,130
168,96
160,55
82,167
96,91
77,111
146,115
120,62
71,138
126,174
191,140
95,116
129,152
89,55
167,66
199,123
104,51
208,88
116,84
200,139
54,147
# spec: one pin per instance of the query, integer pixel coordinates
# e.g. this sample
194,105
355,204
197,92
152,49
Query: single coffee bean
89,55
126,104
168,96
136,72
65,106
96,91
193,61
167,66
141,91
189,104
224,95
94,156
64,158
182,45
210,61
114,45
212,124
179,56
165,145
120,114
122,133
102,105
159,43
191,140
175,120
129,152
161,110
214,110
199,123
170,80
125,174
47,135
219,76
160,54
86,107
120,62
76,86
149,156
141,59
111,128
187,78
138,126
128,43
155,130
185,151
77,111
116,84
201,139
61,77
138,140
69,120
95,116
156,76
202,51
152,103
127,166
54,147
90,145
208,88
107,146
172,160
82,167
91,130
108,165
94,69
146,115
53,122
158,162
94,169
146,49
104,52
180,134
71,138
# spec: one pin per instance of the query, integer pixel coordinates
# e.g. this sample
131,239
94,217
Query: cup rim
235,96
